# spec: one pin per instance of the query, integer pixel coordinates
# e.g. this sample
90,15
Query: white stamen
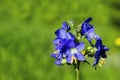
73,51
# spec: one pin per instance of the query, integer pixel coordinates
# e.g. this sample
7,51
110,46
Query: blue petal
70,36
68,58
103,55
80,46
58,62
105,48
65,26
91,36
97,58
98,43
61,33
85,28
58,43
53,55
95,63
88,20
97,37
64,34
57,32
91,30
68,52
97,54
55,41
71,44
80,56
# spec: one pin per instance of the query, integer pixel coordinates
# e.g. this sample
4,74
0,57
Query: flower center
93,36
73,50
56,52
59,43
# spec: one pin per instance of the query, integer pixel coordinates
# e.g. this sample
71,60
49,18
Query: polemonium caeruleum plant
70,49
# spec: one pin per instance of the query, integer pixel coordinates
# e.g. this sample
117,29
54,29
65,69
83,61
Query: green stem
77,74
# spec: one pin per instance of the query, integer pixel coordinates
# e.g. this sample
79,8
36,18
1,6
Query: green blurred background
27,30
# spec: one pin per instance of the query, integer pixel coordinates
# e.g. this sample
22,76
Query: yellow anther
101,62
73,59
56,52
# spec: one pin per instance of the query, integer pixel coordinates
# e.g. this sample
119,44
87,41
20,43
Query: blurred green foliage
27,30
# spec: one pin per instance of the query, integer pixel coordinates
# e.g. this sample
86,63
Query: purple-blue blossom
101,51
72,49
73,52
64,33
87,30
66,46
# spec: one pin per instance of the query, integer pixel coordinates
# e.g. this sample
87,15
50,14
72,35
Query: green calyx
91,51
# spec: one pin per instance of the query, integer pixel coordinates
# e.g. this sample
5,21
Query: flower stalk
77,71
77,74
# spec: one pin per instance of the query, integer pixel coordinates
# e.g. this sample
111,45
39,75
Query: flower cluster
71,50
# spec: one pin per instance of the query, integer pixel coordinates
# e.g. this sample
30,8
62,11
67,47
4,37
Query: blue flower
64,33
101,51
71,51
59,43
87,30
74,52
63,36
65,26
60,46
68,49
86,26
58,56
